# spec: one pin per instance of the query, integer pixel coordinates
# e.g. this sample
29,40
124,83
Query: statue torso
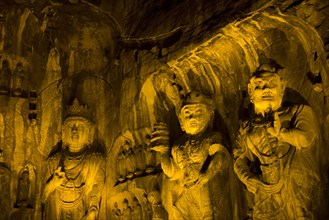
190,155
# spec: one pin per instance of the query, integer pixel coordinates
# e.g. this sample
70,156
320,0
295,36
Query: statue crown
77,110
195,97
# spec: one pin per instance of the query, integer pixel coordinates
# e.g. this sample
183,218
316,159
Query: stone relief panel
58,53
223,65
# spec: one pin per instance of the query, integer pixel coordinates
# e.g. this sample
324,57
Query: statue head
77,129
266,89
196,114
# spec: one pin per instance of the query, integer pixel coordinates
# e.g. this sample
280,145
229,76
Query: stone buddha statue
194,159
136,209
126,210
275,153
76,170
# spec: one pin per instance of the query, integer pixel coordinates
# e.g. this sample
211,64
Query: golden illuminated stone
194,159
275,154
76,172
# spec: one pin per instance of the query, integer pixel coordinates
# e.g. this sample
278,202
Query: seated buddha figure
194,159
76,170
275,153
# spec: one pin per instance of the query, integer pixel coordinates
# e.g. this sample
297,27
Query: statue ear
179,116
64,135
91,133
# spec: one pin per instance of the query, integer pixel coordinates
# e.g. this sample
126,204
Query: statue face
76,133
266,92
195,118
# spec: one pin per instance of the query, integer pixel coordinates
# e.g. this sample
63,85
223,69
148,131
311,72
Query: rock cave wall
130,62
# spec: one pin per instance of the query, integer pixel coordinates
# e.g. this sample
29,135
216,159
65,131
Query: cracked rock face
132,61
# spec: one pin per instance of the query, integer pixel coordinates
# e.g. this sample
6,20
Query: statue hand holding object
160,138
194,159
58,179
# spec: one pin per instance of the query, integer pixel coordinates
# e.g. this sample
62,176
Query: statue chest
191,155
75,171
267,148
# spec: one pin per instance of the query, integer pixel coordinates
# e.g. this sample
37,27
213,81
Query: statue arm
97,185
242,157
219,159
168,165
52,177
305,130
249,179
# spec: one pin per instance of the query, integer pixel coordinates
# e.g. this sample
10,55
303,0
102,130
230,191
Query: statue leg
204,201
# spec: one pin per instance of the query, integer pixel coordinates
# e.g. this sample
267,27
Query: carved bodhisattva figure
76,171
194,159
275,151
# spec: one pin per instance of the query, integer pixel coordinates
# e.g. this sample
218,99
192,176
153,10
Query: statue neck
76,148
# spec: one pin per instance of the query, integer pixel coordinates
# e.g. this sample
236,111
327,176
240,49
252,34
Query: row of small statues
13,82
274,158
135,161
151,208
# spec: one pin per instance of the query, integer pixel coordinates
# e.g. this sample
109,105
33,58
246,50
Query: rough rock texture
78,48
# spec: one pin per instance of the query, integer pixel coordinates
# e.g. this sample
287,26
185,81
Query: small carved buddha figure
121,166
147,208
76,170
126,210
139,159
194,159
136,209
19,80
129,159
5,76
275,151
158,211
25,194
116,212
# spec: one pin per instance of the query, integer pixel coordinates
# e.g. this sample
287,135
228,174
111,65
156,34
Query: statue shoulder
215,137
297,111
55,157
96,155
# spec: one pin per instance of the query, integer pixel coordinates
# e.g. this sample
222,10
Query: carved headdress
195,97
271,66
77,110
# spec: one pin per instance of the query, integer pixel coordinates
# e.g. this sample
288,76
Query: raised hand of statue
58,178
160,138
275,129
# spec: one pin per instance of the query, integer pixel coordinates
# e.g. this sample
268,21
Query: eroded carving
5,76
76,172
275,154
194,159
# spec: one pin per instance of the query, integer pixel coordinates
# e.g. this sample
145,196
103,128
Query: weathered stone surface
69,49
